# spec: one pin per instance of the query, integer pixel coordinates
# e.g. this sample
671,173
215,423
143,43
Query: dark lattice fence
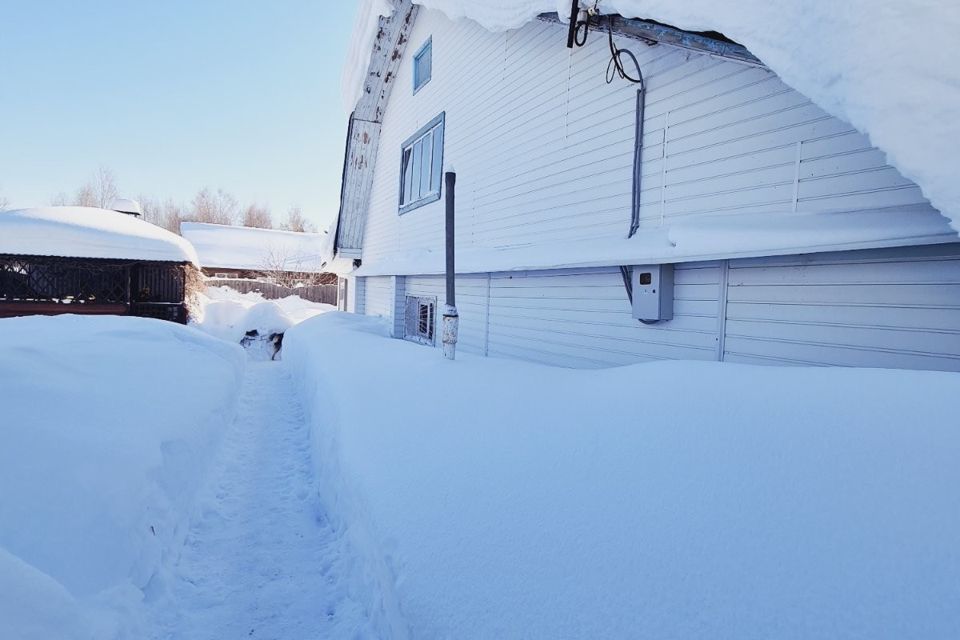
50,285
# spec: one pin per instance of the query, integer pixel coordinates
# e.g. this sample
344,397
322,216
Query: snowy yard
158,483
494,498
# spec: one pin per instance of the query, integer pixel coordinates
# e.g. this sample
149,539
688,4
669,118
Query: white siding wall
379,297
543,147
471,305
543,150
582,318
889,308
895,308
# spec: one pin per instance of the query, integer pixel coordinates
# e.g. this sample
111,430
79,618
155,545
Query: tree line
207,205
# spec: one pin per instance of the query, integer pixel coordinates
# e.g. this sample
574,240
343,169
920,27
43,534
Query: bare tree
218,208
171,216
281,266
85,196
258,216
4,203
150,209
100,191
297,222
105,187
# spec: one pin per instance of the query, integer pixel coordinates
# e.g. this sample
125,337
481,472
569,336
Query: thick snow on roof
888,67
231,247
87,232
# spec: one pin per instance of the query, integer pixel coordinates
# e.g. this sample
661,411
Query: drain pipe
451,320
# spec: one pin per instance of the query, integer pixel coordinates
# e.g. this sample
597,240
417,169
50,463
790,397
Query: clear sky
175,95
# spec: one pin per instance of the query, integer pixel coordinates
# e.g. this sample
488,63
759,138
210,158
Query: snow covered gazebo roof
88,232
888,67
232,247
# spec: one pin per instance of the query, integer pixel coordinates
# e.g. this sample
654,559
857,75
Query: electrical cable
615,66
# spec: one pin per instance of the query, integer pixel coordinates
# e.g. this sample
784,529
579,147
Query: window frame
425,49
413,310
434,128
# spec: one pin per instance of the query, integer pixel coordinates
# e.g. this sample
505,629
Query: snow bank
885,66
232,247
87,232
108,424
500,499
227,314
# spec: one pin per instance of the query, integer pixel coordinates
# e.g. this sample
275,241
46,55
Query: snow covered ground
106,426
499,499
229,315
264,561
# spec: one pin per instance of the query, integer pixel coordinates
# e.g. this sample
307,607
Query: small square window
420,319
423,65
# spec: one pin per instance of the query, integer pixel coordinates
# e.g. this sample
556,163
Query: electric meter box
652,292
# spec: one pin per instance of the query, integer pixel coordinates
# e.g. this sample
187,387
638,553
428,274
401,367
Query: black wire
615,66
581,30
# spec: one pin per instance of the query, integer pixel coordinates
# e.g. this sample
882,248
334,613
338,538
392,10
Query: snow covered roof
231,247
88,232
885,66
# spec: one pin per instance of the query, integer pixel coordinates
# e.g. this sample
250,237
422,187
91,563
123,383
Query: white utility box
652,292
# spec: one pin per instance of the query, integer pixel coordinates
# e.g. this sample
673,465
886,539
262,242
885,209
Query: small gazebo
87,260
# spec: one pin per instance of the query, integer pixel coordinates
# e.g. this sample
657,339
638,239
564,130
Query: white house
788,237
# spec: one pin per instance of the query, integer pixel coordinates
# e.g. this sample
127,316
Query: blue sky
174,96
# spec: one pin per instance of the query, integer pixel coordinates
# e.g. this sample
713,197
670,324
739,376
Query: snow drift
88,232
228,314
885,66
108,424
500,499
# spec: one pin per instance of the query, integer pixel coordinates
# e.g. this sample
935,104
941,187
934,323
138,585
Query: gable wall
543,147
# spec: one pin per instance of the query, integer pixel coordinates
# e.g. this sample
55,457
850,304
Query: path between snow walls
264,560
499,499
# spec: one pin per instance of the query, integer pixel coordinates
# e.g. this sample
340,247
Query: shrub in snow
107,426
500,499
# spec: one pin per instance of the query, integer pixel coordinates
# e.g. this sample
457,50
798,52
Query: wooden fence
325,293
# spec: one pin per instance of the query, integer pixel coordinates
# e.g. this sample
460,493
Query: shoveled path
262,561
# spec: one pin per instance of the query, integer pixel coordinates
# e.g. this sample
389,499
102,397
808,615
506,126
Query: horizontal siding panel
886,308
773,352
916,318
905,339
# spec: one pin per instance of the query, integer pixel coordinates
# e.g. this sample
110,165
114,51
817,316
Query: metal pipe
450,180
451,319
637,159
572,27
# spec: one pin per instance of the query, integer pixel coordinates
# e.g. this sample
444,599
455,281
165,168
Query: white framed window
423,65
421,166
420,320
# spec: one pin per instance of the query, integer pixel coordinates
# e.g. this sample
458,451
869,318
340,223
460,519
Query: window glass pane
417,156
426,163
423,66
437,172
407,177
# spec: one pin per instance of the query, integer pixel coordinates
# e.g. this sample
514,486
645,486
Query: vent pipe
451,320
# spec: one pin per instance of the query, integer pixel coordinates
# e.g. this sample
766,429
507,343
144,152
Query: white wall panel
890,308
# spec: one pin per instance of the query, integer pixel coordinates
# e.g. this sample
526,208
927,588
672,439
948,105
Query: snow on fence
323,293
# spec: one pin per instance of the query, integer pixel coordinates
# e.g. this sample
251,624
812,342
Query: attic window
423,65
420,319
421,166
